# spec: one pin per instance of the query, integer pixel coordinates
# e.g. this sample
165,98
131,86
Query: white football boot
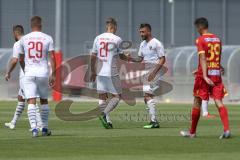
10,125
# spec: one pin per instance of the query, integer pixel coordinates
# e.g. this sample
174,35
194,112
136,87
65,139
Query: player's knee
151,102
197,102
147,98
218,103
103,96
102,102
43,101
20,99
31,101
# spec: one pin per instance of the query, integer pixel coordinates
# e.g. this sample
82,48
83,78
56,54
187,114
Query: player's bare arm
93,67
159,65
221,67
12,64
203,63
135,59
53,67
124,56
127,57
21,61
194,71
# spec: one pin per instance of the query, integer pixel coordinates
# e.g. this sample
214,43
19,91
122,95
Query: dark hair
146,25
201,22
18,28
36,21
111,21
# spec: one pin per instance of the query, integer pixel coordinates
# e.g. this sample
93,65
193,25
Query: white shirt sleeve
94,48
51,45
140,51
16,48
119,49
21,47
160,49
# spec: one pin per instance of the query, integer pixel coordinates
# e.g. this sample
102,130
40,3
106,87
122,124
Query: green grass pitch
128,141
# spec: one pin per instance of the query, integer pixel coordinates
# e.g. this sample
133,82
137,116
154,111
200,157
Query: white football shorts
21,89
35,87
111,84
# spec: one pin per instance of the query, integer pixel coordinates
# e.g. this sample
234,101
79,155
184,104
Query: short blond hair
36,21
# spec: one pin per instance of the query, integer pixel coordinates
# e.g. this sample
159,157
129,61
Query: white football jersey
36,46
107,48
16,48
151,51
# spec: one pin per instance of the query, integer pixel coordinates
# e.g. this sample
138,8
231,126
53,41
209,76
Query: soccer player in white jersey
151,52
35,47
18,32
105,53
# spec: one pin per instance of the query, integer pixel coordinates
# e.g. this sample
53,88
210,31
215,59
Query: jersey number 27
104,49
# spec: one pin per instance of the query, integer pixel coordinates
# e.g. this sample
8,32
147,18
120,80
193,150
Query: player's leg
195,115
218,92
42,83
151,106
20,106
112,104
114,88
200,92
223,112
108,85
19,109
38,117
205,112
204,108
30,90
149,91
44,117
32,116
102,104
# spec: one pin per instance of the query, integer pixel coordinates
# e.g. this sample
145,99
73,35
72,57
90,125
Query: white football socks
32,116
38,117
102,104
18,112
204,108
113,102
151,104
44,115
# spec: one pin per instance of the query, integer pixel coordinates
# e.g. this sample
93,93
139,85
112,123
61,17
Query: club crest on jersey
150,47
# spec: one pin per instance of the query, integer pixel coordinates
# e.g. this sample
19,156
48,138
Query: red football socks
223,112
195,118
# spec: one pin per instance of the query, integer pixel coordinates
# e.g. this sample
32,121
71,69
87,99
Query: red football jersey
210,45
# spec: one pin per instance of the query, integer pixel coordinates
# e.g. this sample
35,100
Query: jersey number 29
38,47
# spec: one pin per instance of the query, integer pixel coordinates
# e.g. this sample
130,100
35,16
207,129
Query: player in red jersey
208,81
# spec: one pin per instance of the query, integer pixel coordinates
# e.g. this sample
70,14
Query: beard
144,37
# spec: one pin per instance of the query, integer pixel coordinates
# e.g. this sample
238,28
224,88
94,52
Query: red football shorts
203,90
